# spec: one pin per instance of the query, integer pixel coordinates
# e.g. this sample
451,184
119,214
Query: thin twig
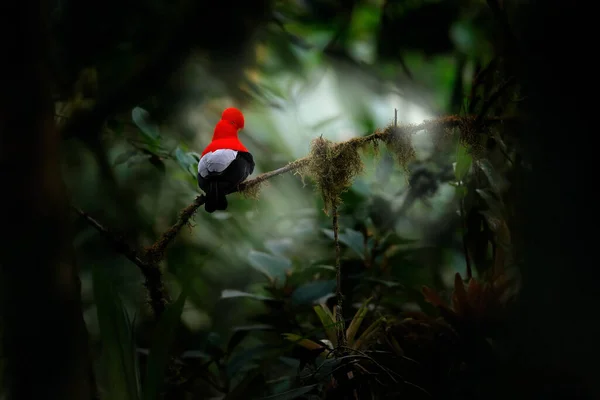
152,274
268,175
119,245
341,336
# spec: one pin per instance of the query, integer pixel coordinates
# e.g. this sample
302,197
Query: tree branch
119,245
153,276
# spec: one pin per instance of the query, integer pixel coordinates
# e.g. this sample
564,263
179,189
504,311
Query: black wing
237,172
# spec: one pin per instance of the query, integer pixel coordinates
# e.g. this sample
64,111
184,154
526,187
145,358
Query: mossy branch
332,165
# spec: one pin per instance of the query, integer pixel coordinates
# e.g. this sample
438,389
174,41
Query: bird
225,162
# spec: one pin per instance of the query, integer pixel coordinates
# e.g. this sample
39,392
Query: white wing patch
216,161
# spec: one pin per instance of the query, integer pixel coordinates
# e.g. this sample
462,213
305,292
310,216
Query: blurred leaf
368,334
138,159
393,238
124,157
119,353
496,181
195,156
301,341
470,39
183,158
141,118
461,191
231,293
250,358
356,321
282,384
279,246
328,322
210,343
159,352
386,283
326,368
292,394
187,161
463,162
312,291
241,391
493,203
352,239
275,268
240,332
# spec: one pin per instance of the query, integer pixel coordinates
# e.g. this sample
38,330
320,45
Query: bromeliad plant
350,341
345,368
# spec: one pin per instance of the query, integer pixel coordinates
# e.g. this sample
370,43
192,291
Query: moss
397,140
252,191
471,137
333,167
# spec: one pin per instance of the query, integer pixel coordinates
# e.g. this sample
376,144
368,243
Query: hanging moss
397,140
333,167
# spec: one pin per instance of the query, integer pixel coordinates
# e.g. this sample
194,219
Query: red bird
225,162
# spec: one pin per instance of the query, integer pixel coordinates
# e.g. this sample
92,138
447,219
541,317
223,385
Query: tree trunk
558,331
45,340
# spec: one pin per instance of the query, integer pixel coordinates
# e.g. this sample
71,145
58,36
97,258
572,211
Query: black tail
215,198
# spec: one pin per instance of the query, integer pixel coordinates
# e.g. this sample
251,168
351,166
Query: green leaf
119,354
356,321
463,162
240,332
291,394
312,291
461,191
368,333
141,118
328,322
352,239
275,268
302,341
249,358
231,293
159,352
185,160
